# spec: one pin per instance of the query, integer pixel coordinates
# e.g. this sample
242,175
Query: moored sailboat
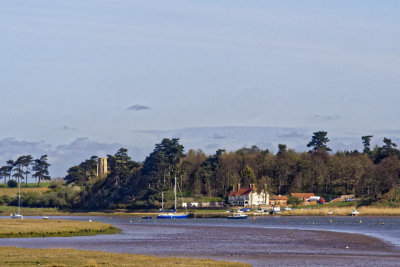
171,214
18,215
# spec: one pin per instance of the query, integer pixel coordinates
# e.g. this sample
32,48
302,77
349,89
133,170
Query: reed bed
335,211
13,192
6,210
344,211
379,211
12,256
50,228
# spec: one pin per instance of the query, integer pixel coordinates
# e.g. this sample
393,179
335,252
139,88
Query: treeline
372,174
22,167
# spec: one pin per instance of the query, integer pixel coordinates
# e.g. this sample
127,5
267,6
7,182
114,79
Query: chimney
238,187
252,187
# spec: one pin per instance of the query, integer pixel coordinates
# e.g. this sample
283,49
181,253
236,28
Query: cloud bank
138,107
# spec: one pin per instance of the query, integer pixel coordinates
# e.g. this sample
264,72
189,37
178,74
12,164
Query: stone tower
101,166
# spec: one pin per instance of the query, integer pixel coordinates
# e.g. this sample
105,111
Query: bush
6,199
12,183
294,201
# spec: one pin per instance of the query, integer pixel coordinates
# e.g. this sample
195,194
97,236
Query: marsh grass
52,228
13,192
344,211
6,210
12,256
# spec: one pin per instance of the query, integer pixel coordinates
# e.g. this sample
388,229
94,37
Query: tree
387,150
18,169
282,148
26,161
162,165
318,142
366,142
247,176
41,168
10,165
76,174
4,173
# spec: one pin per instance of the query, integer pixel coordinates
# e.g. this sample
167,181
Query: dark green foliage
294,201
41,168
83,173
318,142
387,150
4,173
12,183
282,148
367,143
247,176
373,175
19,169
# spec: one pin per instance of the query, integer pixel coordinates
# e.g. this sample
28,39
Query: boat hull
17,216
237,217
172,216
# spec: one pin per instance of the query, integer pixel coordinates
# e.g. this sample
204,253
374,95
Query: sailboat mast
175,192
162,201
19,197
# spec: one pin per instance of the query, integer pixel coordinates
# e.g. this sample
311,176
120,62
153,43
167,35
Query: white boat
171,214
238,215
45,217
355,213
18,215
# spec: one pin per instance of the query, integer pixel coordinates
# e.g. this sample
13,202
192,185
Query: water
250,240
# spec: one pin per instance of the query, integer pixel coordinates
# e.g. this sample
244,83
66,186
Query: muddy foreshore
257,246
269,247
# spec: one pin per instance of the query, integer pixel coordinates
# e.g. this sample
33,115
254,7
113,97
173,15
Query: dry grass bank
7,210
379,211
344,211
13,192
12,256
47,228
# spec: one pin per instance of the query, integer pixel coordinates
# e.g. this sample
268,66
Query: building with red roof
250,196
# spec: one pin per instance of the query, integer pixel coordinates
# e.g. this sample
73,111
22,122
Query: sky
79,78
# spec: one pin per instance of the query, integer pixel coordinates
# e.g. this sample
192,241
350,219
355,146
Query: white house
248,197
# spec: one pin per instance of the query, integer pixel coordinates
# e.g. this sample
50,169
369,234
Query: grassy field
30,185
48,228
12,256
13,192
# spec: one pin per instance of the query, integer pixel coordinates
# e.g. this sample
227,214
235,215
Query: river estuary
263,241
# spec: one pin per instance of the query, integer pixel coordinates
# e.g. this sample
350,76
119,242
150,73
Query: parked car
350,199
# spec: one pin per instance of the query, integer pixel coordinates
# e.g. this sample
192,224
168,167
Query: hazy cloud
138,107
290,135
219,136
213,146
326,117
67,128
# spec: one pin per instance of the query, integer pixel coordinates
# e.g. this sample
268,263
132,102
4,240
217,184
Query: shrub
12,183
6,199
294,201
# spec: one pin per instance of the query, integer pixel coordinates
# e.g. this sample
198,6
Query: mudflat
267,247
254,245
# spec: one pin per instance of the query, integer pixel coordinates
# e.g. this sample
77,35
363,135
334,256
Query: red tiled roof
279,198
302,195
240,192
